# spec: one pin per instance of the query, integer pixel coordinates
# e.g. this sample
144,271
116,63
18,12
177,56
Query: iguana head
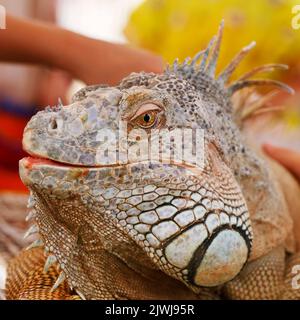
95,185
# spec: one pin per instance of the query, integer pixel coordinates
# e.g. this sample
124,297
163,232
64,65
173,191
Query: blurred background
171,28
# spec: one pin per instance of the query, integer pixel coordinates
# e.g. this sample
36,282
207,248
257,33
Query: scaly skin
149,228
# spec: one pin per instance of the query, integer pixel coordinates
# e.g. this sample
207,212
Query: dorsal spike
31,202
225,75
167,69
36,244
256,105
211,67
270,109
260,82
263,68
60,103
196,58
31,215
185,67
49,262
81,295
32,230
186,61
175,65
206,54
61,278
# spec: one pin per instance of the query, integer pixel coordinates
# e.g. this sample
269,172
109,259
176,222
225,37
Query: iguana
108,228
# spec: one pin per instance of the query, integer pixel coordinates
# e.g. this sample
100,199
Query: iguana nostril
53,124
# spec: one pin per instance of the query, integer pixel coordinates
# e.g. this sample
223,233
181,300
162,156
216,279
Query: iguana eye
147,116
146,120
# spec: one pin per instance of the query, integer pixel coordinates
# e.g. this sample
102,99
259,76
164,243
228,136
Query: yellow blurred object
181,28
292,118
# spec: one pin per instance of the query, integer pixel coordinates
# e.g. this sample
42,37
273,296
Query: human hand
92,61
53,84
288,158
103,62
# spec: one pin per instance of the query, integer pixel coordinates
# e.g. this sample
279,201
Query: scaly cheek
186,229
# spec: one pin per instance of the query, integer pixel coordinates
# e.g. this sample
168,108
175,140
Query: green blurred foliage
181,28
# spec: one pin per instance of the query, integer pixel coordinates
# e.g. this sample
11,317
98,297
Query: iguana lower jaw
194,227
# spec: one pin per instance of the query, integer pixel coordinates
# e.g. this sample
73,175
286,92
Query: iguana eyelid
150,106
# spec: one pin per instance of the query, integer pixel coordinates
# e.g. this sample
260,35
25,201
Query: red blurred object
11,131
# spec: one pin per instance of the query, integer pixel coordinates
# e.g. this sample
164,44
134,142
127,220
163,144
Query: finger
288,158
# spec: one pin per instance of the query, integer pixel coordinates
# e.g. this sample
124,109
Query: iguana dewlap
115,223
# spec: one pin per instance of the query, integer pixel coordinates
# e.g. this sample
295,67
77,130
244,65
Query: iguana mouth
30,161
36,160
